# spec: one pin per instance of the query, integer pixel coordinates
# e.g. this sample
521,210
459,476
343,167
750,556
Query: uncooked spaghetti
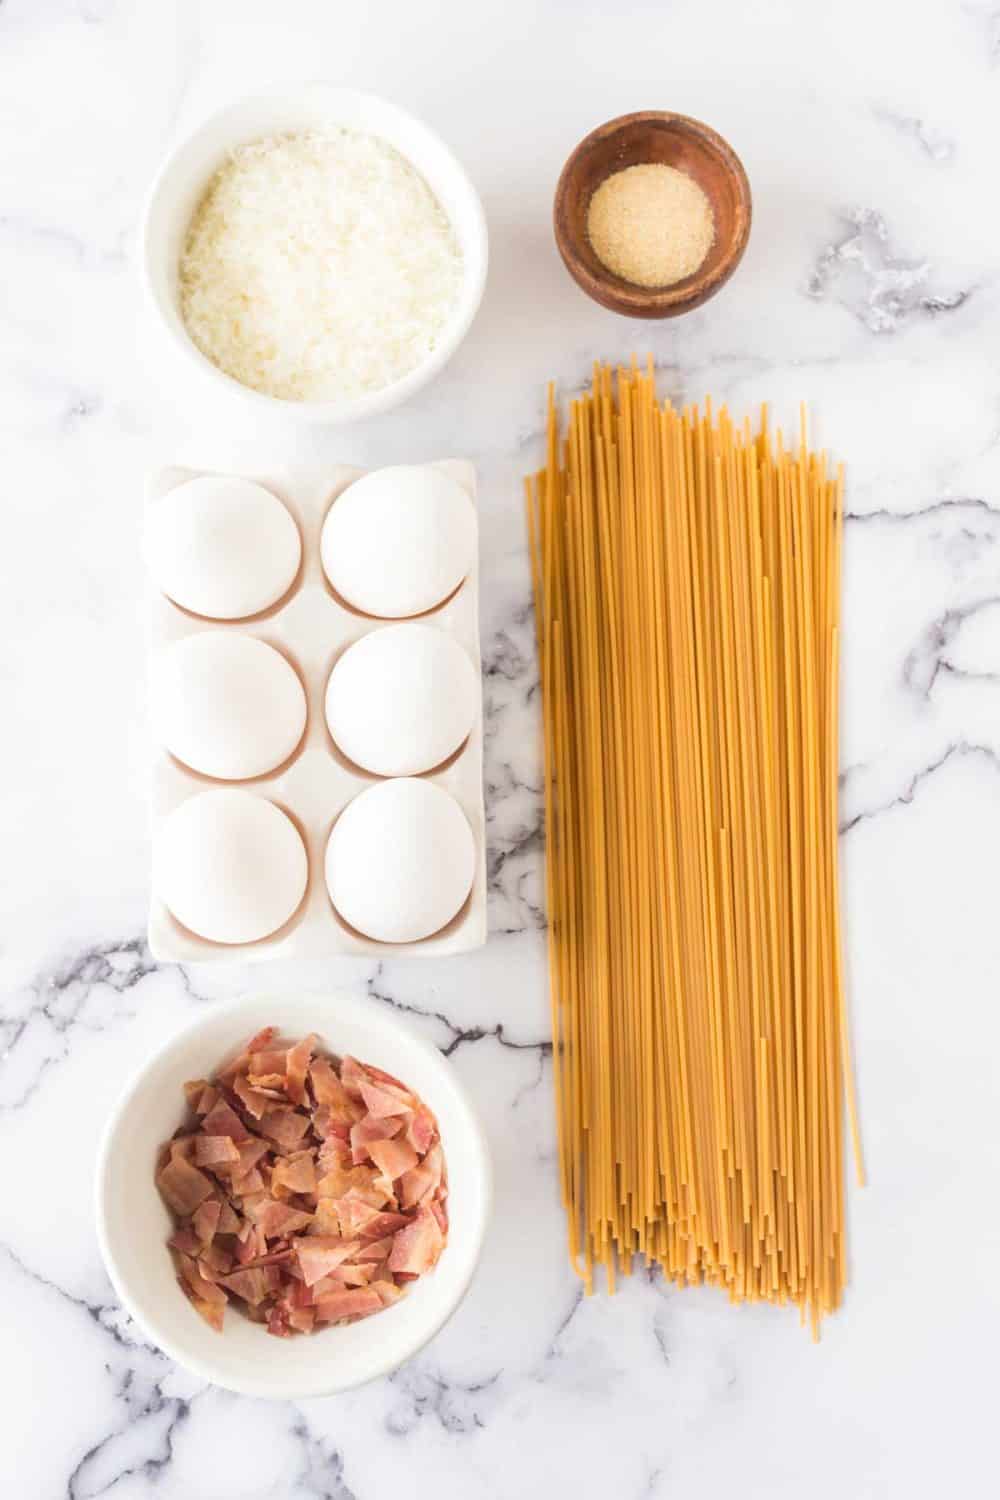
687,584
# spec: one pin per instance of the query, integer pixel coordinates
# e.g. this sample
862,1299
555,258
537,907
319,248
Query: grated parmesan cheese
318,266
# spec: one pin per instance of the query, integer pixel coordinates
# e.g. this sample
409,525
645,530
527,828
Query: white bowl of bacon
293,1212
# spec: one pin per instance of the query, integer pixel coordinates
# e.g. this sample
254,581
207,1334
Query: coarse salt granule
650,224
318,266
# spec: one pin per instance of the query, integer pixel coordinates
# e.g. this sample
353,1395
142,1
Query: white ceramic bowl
133,1224
187,170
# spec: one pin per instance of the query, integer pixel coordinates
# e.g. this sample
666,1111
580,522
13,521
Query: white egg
400,861
401,699
228,706
230,866
398,541
223,548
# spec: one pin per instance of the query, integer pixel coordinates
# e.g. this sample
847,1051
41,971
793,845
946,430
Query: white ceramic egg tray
311,628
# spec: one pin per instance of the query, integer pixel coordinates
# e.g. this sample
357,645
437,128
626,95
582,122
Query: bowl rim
614,292
475,256
362,1011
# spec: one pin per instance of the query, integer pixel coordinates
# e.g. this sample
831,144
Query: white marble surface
869,130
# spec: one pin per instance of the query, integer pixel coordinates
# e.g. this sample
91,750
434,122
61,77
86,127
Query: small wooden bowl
653,136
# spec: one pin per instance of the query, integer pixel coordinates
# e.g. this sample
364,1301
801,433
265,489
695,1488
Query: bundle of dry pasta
687,582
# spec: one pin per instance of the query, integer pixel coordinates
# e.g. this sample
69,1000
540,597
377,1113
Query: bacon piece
214,1262
277,1322
252,1283
334,1156
271,1084
353,1302
229,1219
328,1089
182,1186
297,1066
256,1102
352,1075
185,1239
327,1127
381,1076
392,1158
222,1119
297,1173
270,1061
374,1250
319,1254
422,1180
440,1213
197,1285
213,1150
302,1319
418,1245
194,1090
206,1220
239,1064
359,1218
284,1125
385,1223
368,1130
388,1292
421,1130
382,1102
250,1153
273,1218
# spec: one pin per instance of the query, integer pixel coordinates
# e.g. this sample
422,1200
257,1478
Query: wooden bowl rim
613,291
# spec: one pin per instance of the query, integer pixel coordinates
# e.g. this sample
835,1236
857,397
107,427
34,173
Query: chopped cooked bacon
297,1061
273,1084
270,1061
249,1186
418,1245
278,1321
392,1158
252,1283
353,1302
182,1186
212,1150
199,1286
186,1240
273,1218
222,1119
327,1128
205,1220
421,1130
320,1254
214,1262
383,1224
309,1188
241,1061
256,1102
284,1125
352,1075
423,1180
250,1153
328,1089
295,1173
382,1102
374,1250
370,1129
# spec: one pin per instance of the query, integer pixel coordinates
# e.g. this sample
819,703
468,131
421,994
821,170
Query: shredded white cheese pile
318,266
